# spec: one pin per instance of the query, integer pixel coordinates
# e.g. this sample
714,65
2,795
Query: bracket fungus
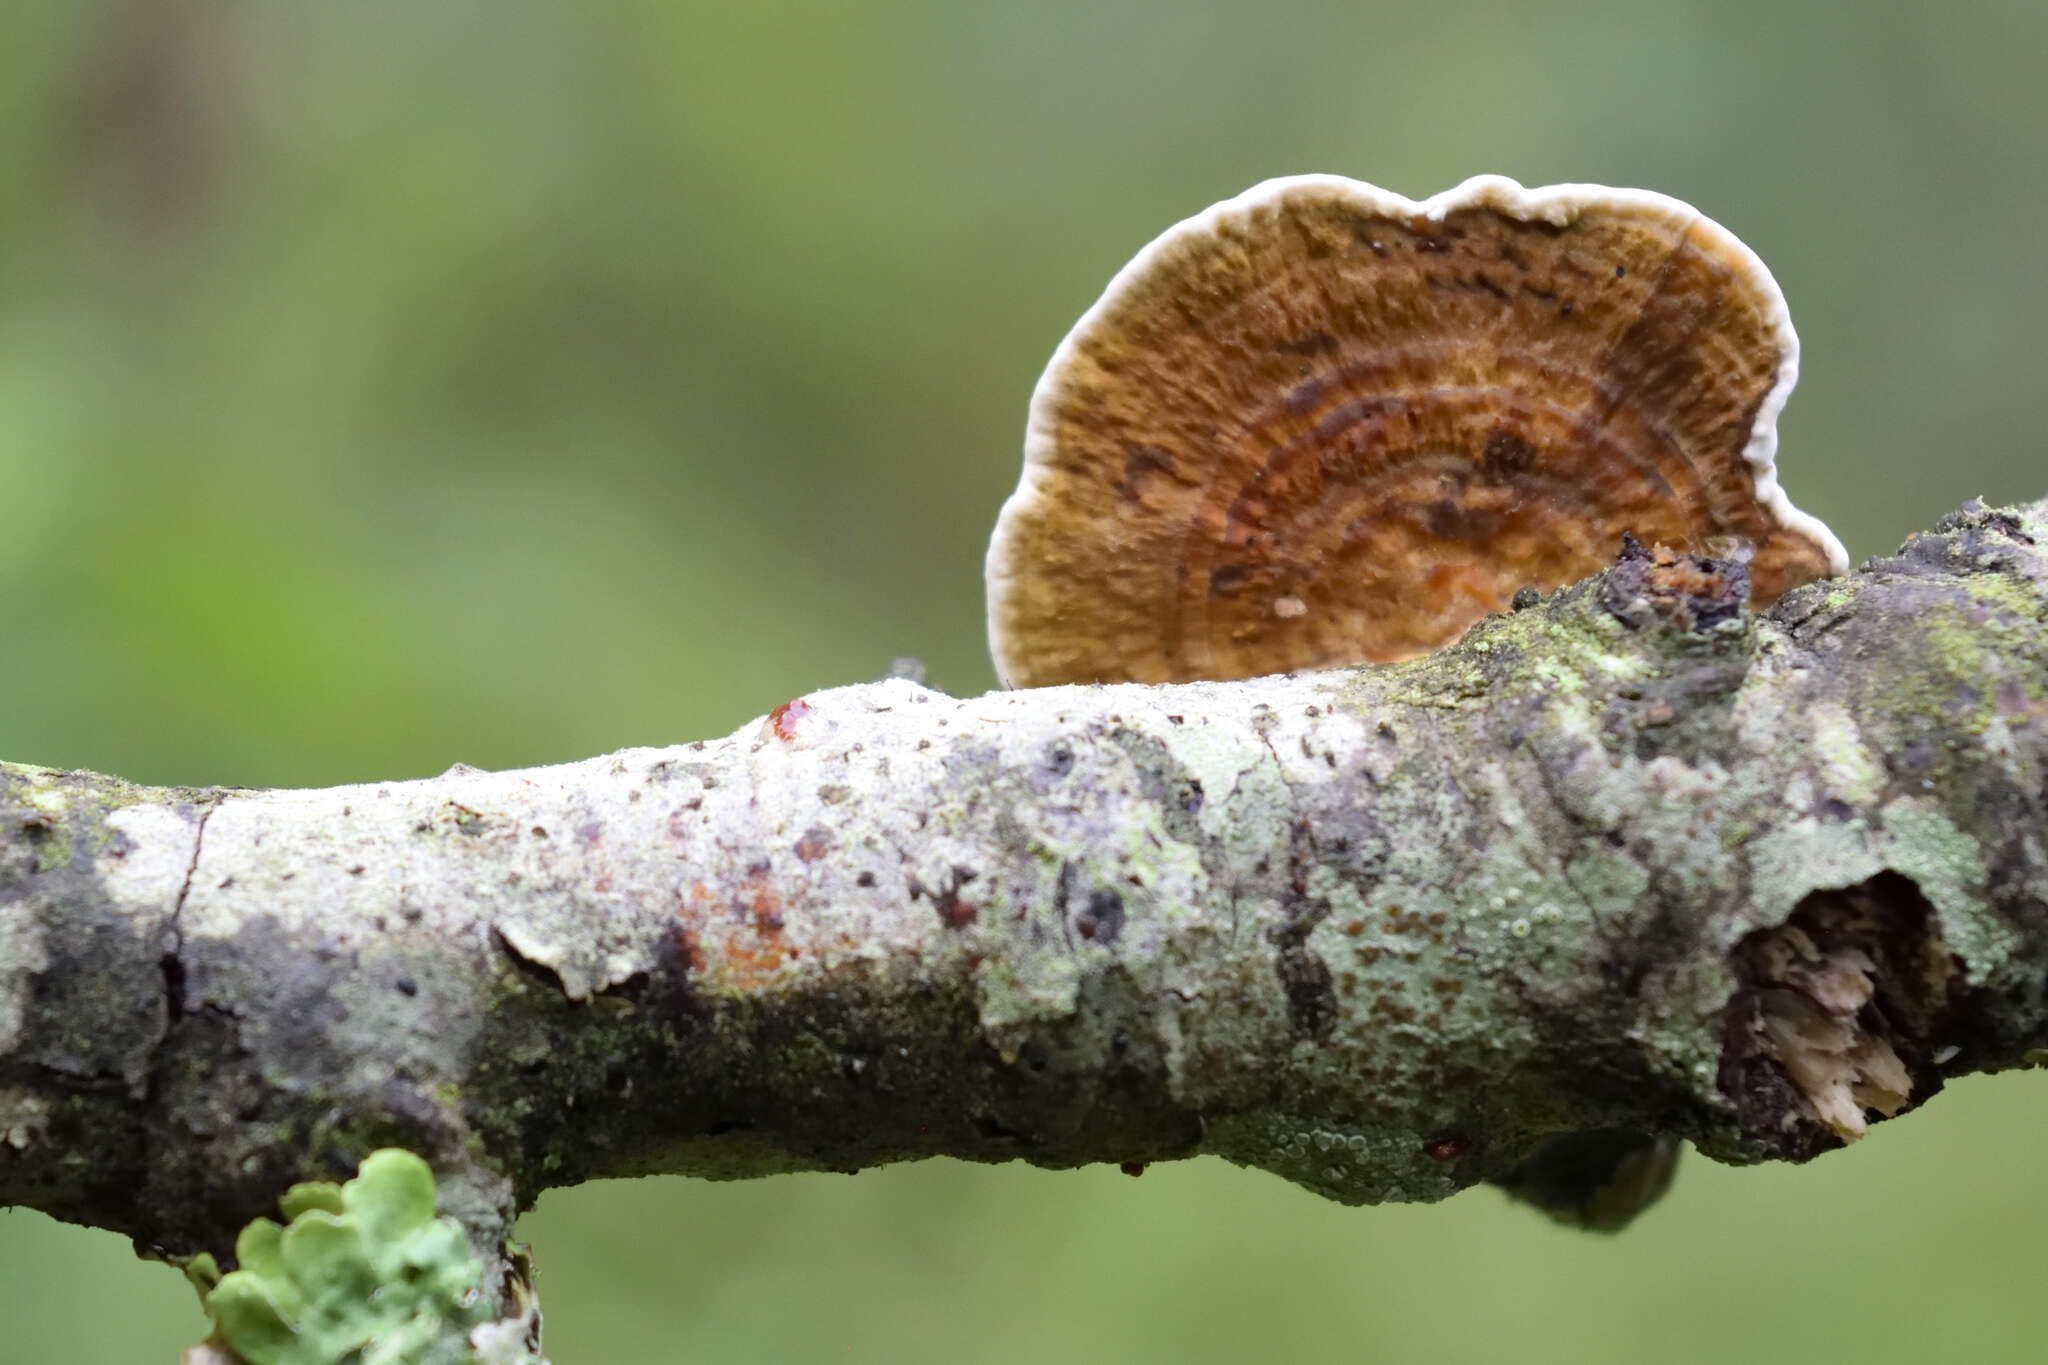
1322,424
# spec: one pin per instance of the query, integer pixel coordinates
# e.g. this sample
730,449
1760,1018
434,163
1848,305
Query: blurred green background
384,385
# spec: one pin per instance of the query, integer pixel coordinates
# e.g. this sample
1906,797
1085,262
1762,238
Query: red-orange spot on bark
1445,1148
751,963
759,900
734,940
783,719
686,939
955,912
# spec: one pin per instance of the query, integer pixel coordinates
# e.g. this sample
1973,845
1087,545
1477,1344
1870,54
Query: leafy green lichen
362,1272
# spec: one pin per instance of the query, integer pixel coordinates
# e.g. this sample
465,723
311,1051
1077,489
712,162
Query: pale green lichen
1948,867
362,1273
42,805
1790,861
1019,992
1852,772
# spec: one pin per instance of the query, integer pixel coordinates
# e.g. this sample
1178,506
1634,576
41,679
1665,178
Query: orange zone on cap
1321,424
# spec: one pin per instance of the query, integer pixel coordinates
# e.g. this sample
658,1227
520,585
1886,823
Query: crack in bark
172,964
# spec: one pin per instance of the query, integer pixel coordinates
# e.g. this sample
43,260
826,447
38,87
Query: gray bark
1385,932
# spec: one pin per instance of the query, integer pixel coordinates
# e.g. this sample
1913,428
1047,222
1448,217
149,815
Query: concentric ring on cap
1323,424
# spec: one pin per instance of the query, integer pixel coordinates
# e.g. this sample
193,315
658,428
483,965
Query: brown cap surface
1322,424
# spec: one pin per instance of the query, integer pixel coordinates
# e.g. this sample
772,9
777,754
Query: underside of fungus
1811,1029
1323,424
1839,1001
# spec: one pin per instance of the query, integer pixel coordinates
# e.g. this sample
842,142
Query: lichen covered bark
1385,932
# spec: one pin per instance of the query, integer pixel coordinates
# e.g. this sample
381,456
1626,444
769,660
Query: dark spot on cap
1226,579
1315,343
1142,463
1505,455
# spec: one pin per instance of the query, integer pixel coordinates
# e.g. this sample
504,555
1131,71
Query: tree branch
1629,860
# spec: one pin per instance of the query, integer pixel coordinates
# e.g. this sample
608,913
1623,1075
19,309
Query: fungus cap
1323,424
